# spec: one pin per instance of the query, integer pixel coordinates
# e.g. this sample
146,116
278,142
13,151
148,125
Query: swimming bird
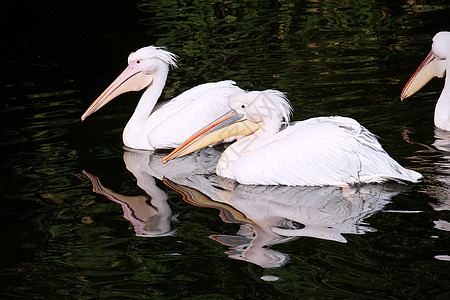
437,63
317,151
170,124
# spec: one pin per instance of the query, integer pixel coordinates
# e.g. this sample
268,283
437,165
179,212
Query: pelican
317,151
435,64
173,122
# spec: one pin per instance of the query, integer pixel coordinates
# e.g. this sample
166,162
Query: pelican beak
230,124
131,79
430,68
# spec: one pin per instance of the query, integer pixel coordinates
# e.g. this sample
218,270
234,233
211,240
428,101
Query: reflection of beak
228,213
429,68
229,125
131,79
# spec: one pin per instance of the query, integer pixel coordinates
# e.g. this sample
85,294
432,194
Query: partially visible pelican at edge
171,123
317,151
437,63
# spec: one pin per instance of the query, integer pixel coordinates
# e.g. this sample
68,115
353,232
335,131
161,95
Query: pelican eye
138,61
242,106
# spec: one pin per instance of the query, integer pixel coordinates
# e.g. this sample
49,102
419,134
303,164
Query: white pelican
437,63
318,151
173,122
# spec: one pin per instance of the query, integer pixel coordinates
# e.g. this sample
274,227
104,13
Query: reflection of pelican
442,143
435,64
151,216
318,151
437,184
173,122
441,187
272,215
149,220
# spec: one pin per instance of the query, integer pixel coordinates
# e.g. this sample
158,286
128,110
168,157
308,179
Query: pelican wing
178,119
320,151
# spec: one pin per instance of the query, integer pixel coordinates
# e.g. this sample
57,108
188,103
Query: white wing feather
178,119
320,151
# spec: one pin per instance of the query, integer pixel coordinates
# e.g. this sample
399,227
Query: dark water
139,237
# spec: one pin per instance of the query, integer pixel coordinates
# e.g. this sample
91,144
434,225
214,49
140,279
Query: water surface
138,236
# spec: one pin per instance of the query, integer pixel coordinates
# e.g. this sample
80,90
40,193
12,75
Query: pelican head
142,66
250,112
435,64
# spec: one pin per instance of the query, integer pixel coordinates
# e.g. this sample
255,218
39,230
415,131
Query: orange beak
131,79
430,68
229,125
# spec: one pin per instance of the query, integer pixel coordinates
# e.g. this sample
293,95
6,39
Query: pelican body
437,63
171,123
318,151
